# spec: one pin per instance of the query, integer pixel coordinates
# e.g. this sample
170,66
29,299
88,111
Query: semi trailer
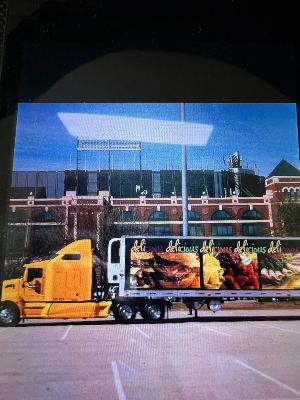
146,275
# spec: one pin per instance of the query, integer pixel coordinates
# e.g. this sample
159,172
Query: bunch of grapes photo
240,271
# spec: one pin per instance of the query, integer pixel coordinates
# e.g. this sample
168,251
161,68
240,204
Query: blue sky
263,133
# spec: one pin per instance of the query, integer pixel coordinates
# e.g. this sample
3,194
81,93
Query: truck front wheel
124,313
9,314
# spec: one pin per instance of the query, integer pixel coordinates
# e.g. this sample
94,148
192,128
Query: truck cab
57,288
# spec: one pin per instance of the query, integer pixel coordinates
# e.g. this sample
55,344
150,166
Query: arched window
286,193
252,229
158,216
193,229
220,214
159,229
127,229
251,214
221,229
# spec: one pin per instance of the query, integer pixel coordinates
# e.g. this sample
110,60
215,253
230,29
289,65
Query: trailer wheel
153,312
9,314
124,313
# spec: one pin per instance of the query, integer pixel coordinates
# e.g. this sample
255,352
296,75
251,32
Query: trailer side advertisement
212,263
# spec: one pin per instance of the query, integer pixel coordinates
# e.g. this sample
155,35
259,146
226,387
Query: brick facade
78,217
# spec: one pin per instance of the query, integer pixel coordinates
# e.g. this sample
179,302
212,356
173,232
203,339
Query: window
193,229
159,229
34,273
92,184
126,216
221,229
127,229
252,229
71,257
193,216
159,216
251,214
291,193
220,214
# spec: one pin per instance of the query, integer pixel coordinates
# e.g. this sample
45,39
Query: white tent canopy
108,127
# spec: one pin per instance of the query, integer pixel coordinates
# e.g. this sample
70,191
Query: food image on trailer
223,265
164,270
280,270
229,270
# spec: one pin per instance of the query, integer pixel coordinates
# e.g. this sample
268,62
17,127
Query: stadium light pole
130,129
185,226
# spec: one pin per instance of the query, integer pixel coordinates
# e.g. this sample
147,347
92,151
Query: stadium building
54,207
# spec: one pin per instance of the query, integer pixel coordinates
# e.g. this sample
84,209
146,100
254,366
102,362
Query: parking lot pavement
242,313
183,358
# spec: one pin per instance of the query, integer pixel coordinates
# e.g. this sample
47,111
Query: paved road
184,358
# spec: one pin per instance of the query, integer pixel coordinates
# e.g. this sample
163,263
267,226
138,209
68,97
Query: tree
28,240
107,229
44,239
286,219
127,224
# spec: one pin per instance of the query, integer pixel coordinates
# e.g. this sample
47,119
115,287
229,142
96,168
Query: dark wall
24,192
130,184
199,182
254,184
170,181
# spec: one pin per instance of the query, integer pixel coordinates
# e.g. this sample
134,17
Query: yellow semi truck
63,287
146,274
